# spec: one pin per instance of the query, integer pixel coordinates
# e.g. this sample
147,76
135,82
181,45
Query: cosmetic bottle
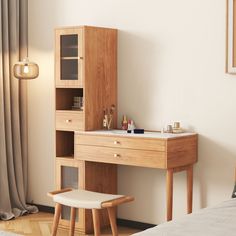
177,129
131,126
104,121
104,125
124,123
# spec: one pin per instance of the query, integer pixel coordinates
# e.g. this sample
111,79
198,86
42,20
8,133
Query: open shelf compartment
68,98
65,144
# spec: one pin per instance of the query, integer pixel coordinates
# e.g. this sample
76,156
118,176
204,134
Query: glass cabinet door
70,175
69,58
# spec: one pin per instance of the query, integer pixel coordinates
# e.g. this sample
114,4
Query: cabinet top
147,134
83,27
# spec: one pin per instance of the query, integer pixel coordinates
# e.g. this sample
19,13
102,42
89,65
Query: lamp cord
27,28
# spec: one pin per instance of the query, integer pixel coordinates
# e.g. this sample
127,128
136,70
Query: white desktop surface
147,134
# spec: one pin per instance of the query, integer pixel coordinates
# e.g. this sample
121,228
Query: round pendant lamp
26,69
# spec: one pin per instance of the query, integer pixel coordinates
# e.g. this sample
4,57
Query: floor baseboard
120,222
134,224
42,208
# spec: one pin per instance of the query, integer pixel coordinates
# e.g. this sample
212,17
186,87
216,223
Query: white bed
219,220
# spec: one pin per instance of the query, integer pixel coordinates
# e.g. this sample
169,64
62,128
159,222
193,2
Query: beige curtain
13,110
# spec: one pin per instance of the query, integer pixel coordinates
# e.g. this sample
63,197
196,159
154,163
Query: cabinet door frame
67,162
69,83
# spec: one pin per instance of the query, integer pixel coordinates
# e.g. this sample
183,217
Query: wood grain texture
169,193
173,154
121,142
88,173
100,177
230,36
167,153
97,82
69,120
112,218
65,97
72,221
40,224
181,151
51,194
227,39
56,219
100,84
68,83
64,144
116,202
189,189
80,165
180,168
96,222
122,156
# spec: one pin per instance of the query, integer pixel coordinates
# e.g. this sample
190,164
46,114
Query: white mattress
219,220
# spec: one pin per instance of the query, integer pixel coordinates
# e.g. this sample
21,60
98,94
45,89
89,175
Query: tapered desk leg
56,219
96,222
112,218
189,189
72,221
169,193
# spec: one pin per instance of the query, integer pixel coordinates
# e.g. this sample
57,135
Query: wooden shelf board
71,46
70,86
70,110
65,158
70,58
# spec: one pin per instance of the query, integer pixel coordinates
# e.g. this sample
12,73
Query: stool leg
96,222
72,220
56,219
112,218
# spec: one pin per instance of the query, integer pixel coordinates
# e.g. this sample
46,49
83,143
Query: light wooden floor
40,225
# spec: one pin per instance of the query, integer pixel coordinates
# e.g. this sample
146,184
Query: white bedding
219,220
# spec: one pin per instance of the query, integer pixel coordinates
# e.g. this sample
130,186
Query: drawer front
123,156
69,121
182,151
121,142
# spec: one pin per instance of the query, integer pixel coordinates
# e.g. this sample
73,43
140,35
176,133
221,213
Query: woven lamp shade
26,69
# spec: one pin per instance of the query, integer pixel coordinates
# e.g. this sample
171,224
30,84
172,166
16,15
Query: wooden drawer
144,158
121,142
69,120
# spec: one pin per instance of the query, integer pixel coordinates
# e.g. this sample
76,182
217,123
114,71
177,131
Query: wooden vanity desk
172,152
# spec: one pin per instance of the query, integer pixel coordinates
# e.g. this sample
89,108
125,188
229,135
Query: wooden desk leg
112,218
189,189
56,219
72,221
96,222
169,193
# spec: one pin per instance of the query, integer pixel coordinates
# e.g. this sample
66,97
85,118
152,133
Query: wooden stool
87,200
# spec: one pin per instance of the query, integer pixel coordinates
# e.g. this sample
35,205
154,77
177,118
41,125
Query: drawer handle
116,142
116,155
68,121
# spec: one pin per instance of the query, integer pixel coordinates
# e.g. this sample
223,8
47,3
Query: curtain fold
13,111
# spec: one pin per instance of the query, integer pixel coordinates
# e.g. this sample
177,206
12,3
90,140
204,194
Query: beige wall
171,68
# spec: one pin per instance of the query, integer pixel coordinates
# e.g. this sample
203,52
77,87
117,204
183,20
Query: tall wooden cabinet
85,85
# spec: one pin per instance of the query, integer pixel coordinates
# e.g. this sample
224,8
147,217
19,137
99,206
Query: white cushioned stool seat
84,199
87,200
